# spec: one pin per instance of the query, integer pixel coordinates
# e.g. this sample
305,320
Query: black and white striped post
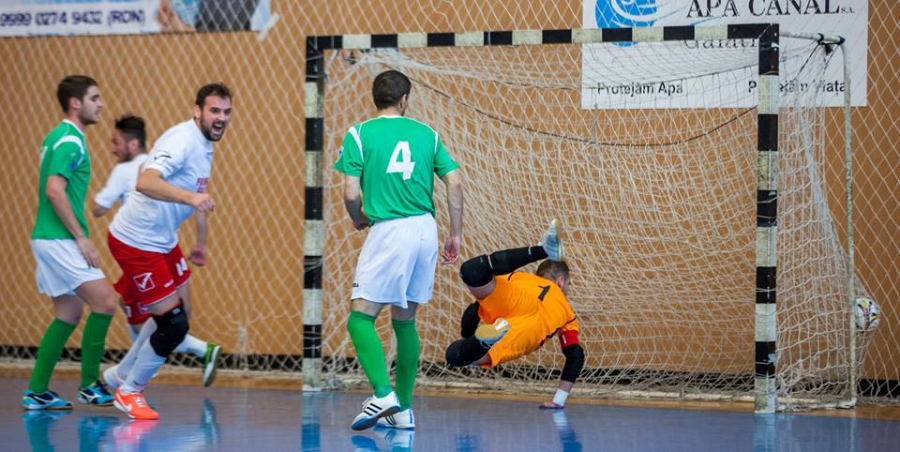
765,400
313,231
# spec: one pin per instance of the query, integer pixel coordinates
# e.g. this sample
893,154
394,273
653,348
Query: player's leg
171,328
403,322
102,300
159,280
208,352
38,396
383,275
370,354
116,375
420,287
478,273
60,270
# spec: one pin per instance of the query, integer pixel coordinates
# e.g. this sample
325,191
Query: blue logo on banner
626,13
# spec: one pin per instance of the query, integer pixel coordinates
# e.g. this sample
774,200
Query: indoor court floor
240,418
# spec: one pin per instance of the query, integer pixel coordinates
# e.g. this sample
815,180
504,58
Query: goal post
657,199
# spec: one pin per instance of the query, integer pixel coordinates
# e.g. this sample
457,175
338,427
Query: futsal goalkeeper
516,312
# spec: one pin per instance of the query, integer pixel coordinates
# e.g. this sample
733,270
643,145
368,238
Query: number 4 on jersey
401,160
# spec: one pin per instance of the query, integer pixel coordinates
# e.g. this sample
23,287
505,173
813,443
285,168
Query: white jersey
184,158
121,182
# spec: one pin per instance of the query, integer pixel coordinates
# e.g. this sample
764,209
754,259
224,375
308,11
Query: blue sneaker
45,401
552,242
95,394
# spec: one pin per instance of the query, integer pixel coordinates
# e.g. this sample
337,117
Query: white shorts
397,262
61,268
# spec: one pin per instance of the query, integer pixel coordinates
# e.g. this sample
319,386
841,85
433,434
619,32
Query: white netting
659,207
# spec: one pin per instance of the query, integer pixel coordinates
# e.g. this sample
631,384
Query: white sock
192,345
131,357
146,366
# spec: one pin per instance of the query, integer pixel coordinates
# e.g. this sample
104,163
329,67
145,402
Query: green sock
369,351
48,354
407,360
92,344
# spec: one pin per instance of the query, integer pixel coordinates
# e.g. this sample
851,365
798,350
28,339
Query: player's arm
56,194
107,197
98,210
453,181
353,202
198,253
574,353
151,183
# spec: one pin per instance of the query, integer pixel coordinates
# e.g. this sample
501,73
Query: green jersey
63,153
396,159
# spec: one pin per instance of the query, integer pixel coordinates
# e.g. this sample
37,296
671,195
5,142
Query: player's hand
551,406
362,222
451,250
198,255
88,251
203,202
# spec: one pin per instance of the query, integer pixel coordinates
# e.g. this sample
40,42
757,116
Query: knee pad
476,271
463,352
171,329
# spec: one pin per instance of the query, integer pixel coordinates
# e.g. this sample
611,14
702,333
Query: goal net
659,207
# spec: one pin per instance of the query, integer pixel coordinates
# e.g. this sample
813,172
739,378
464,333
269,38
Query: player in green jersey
67,261
389,163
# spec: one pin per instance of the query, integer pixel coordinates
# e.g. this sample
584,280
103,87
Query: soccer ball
867,314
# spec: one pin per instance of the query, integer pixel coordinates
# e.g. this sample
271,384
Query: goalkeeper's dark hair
553,269
133,128
73,86
388,88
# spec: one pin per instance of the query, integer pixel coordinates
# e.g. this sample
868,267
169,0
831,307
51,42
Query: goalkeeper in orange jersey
516,312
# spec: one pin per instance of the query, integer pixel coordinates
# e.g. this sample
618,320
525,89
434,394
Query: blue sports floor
223,418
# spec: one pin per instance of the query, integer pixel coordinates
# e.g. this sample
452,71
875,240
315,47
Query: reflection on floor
193,418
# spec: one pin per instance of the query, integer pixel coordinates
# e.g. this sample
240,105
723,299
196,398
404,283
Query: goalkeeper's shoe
489,335
552,241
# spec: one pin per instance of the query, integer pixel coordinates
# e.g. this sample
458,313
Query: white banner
105,17
640,88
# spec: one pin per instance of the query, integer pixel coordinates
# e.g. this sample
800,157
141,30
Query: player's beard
207,129
90,119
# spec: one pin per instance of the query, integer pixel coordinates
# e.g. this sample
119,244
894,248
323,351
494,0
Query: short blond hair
553,269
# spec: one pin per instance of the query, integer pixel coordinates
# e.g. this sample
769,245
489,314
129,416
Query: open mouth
218,127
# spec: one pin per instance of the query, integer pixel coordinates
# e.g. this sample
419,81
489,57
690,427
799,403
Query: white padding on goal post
312,306
766,248
352,42
522,37
587,36
469,39
311,100
765,331
710,33
314,238
767,170
652,34
768,94
412,40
